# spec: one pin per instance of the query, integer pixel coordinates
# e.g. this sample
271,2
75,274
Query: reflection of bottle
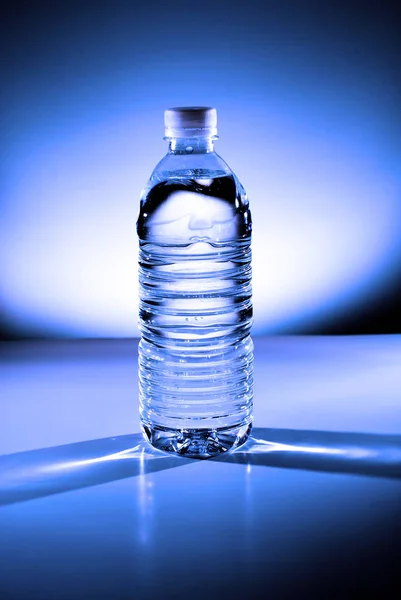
195,355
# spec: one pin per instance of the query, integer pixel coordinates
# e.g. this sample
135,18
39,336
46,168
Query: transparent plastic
195,314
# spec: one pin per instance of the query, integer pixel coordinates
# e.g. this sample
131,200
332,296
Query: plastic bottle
195,312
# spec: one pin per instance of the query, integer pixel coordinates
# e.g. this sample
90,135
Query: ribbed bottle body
195,314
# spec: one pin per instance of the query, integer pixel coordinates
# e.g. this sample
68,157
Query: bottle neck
199,145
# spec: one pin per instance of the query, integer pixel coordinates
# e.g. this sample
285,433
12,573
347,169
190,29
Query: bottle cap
190,121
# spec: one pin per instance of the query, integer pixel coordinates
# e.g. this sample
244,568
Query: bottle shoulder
184,165
199,168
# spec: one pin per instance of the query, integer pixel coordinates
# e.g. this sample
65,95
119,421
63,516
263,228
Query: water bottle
195,299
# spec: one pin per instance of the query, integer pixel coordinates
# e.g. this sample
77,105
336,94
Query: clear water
195,355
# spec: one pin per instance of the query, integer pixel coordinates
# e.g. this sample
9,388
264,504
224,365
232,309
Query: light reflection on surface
130,453
37,473
327,451
261,446
303,500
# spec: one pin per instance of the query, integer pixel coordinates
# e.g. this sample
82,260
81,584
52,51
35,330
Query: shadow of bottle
326,451
38,473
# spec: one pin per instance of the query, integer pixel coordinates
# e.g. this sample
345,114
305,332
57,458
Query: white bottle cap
190,121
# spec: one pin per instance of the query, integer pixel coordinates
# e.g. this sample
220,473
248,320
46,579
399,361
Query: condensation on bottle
195,299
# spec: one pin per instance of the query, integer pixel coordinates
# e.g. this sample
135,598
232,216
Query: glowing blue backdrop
307,100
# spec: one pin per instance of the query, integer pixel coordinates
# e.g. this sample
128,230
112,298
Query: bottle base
196,443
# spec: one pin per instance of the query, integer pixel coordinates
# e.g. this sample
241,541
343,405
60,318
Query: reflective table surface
310,507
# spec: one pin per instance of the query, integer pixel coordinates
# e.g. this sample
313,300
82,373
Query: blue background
308,97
